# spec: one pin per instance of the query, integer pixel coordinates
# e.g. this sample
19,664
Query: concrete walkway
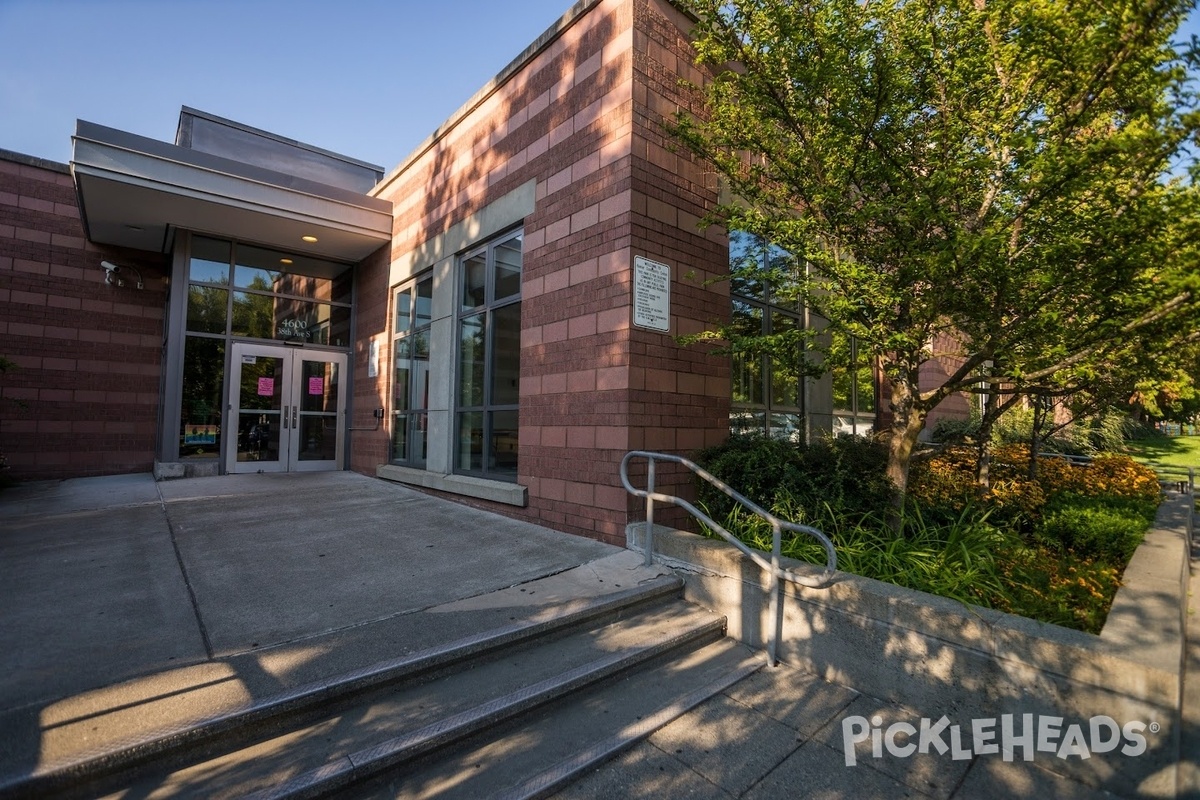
1189,768
119,593
780,734
102,579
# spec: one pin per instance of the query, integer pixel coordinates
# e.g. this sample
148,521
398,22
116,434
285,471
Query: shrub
1058,587
846,473
1106,432
1120,475
944,484
958,559
952,430
1093,529
753,464
1098,533
946,480
1050,549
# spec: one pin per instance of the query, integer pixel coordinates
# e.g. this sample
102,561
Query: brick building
468,322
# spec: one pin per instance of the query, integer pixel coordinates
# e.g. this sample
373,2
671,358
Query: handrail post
1191,502
775,604
649,512
777,574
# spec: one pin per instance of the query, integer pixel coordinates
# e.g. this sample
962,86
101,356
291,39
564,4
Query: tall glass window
240,291
853,387
412,313
767,383
489,358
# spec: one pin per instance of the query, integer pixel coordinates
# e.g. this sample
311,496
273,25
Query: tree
1172,392
983,172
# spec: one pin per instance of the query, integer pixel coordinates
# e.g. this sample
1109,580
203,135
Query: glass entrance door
288,407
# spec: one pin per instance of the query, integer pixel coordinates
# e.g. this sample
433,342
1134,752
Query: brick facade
84,398
582,118
683,402
367,442
569,144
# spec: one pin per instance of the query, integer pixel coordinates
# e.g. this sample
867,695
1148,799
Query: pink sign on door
266,387
316,385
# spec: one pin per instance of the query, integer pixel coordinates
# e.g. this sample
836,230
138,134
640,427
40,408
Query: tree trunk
983,463
907,422
983,460
1039,419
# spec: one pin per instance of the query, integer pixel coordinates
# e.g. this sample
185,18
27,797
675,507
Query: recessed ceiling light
285,261
309,239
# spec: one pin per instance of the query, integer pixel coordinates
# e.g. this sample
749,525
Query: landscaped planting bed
1051,547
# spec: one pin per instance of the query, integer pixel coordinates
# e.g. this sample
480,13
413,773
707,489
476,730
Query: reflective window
489,359
263,316
507,267
472,361
767,374
209,261
280,296
853,387
245,291
203,388
291,274
410,372
207,309
474,281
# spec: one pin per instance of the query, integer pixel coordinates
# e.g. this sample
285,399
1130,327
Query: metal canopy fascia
134,191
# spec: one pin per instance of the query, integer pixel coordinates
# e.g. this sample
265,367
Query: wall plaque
651,295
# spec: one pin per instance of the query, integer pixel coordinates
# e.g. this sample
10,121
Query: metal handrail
1166,469
773,568
1168,474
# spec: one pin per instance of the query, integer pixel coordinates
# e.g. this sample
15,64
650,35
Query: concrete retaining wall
940,657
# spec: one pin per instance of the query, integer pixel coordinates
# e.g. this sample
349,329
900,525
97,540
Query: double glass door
289,406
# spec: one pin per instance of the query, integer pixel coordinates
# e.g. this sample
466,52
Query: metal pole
1191,502
649,512
775,607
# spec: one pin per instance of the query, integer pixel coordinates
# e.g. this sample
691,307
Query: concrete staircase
517,711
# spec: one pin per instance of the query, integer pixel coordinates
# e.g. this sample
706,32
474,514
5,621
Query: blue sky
366,78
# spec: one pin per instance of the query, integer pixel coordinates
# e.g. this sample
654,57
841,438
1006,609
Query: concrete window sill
479,488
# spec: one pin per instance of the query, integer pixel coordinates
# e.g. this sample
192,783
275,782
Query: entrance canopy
135,191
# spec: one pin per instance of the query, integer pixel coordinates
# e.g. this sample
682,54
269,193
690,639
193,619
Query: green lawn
1178,451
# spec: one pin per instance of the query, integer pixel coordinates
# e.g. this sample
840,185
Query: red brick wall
369,440
948,358
576,359
88,354
683,403
563,121
582,119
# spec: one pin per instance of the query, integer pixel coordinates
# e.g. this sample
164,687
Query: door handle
285,417
295,415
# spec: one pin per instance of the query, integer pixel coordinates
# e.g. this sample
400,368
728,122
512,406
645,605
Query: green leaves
992,171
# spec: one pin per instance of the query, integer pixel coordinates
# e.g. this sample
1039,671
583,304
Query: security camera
111,276
110,273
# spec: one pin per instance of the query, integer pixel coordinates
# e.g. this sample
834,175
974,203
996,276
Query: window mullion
482,412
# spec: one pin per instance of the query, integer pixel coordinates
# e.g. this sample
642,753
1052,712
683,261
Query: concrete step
537,754
136,727
393,726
